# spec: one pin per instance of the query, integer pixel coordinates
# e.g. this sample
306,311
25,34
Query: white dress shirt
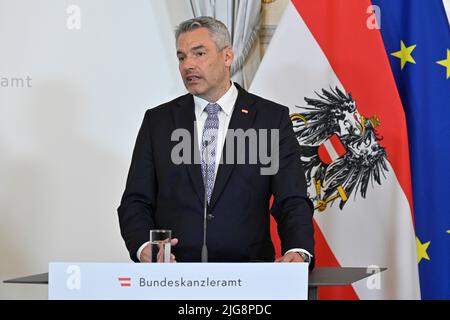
226,103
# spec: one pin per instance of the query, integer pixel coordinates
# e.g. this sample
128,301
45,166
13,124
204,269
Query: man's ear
228,56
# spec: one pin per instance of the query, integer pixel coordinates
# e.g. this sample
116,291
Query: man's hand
145,254
290,257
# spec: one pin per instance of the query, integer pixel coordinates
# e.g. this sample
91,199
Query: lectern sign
178,281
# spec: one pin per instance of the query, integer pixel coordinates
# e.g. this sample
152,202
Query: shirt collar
226,102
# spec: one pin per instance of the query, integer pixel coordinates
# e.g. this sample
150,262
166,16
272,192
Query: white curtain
243,18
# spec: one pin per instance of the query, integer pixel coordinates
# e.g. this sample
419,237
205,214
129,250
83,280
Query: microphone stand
205,205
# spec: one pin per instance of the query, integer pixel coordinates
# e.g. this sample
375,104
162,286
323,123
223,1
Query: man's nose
188,63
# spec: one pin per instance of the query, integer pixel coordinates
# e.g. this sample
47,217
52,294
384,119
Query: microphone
205,204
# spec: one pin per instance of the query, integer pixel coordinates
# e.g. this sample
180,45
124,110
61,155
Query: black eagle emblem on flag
339,148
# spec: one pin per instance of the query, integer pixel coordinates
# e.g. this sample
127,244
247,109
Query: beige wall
67,135
271,15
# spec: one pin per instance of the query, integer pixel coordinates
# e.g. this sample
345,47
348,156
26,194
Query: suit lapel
184,117
242,118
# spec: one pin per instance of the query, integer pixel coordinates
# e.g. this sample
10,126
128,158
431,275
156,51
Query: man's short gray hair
218,31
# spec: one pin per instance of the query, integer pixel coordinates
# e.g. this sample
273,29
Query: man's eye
199,54
180,59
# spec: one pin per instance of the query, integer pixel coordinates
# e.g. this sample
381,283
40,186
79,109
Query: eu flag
416,34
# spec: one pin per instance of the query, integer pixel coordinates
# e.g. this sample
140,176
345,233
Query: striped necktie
209,144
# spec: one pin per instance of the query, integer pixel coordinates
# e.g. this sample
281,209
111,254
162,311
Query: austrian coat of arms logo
340,150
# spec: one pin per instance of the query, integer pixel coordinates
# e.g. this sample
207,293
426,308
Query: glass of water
160,245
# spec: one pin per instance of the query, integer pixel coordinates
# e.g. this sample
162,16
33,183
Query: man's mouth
192,79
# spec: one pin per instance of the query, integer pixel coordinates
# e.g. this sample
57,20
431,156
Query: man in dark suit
163,193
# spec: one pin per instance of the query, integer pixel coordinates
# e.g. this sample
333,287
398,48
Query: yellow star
448,231
422,250
446,63
404,54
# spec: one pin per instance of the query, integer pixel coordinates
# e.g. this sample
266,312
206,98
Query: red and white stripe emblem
331,150
125,282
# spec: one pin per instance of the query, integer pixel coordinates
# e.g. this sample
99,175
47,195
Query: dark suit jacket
160,194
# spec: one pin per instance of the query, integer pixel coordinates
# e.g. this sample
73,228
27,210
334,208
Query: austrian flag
332,71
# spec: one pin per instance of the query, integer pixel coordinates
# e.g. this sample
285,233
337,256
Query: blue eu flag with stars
416,35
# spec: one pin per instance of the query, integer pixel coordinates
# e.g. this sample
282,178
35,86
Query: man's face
204,69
